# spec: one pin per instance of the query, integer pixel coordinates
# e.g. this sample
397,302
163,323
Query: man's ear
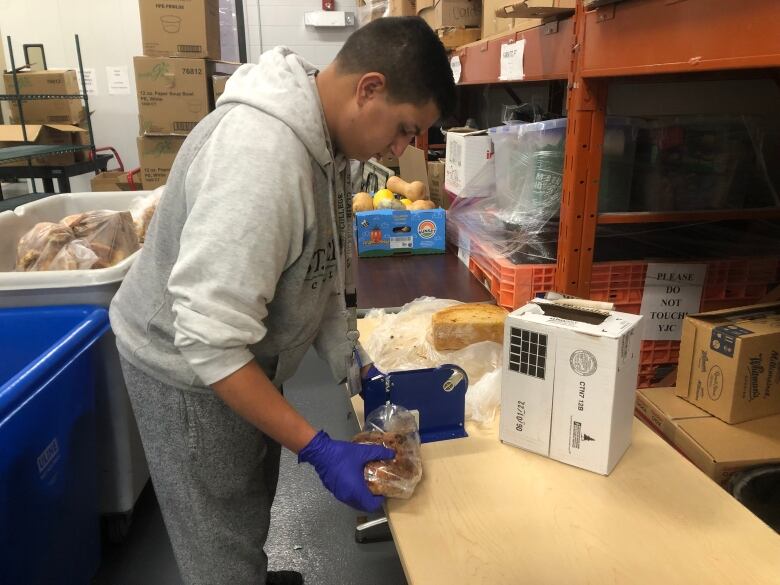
370,86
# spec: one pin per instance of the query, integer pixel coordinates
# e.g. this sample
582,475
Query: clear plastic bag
402,341
394,427
110,234
52,246
369,10
142,209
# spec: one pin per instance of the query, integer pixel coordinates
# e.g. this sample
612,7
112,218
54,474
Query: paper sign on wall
456,68
118,81
671,292
90,80
512,61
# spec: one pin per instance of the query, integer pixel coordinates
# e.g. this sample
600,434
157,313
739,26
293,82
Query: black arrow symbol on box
587,438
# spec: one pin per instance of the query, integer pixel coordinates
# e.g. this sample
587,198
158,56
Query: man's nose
399,145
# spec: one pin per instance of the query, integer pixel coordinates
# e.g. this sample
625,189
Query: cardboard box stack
717,448
173,79
457,22
724,413
730,362
54,111
47,121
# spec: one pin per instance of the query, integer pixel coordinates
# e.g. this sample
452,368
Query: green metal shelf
11,153
41,96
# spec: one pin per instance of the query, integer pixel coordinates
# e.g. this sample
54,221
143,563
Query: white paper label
118,81
456,68
512,61
671,292
90,79
401,243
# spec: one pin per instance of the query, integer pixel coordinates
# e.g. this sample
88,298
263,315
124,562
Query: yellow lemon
407,202
383,195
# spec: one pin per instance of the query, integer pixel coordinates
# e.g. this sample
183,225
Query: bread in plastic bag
110,234
394,427
142,209
402,341
52,246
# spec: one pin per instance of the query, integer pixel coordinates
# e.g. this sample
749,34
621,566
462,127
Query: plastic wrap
706,162
52,246
369,10
680,163
402,341
110,234
142,209
394,427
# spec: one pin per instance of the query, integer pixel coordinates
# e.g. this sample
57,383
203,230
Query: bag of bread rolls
142,209
394,427
52,246
110,234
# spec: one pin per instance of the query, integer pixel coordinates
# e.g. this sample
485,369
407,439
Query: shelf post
586,106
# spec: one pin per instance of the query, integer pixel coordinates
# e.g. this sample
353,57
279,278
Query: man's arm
250,393
340,464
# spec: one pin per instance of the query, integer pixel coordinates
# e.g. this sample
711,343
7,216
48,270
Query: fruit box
387,232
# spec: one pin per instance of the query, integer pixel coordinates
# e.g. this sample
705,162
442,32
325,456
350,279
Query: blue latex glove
340,467
372,371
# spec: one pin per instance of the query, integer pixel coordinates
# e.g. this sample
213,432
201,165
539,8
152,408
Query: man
244,268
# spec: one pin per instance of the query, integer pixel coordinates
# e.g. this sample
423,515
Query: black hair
410,56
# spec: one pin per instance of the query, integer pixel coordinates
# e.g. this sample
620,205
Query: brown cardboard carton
717,448
156,155
452,38
180,28
436,184
662,408
450,13
492,24
52,81
218,82
173,94
369,10
105,181
402,8
720,449
54,134
730,362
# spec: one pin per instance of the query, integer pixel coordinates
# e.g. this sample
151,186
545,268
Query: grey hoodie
240,261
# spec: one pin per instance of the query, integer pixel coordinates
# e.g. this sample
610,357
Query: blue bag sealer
437,396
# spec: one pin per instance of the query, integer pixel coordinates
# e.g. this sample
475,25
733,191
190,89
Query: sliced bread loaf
459,326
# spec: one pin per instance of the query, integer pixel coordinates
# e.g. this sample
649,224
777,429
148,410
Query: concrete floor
311,531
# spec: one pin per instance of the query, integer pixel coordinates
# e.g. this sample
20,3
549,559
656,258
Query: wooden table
488,513
392,282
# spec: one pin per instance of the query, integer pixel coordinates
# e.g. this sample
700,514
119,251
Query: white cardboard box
568,386
469,156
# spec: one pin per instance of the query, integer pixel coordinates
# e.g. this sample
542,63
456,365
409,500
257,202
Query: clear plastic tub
529,162
122,466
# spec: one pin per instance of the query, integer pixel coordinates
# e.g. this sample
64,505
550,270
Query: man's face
379,126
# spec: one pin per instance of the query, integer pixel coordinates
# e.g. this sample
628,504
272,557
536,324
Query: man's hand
340,466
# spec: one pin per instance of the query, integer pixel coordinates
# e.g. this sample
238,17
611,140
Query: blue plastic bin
49,523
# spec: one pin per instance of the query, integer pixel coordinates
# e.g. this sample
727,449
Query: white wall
280,22
110,35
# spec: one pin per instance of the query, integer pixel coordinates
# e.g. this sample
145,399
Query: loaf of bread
459,326
398,477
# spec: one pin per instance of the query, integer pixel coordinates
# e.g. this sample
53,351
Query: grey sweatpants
215,478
